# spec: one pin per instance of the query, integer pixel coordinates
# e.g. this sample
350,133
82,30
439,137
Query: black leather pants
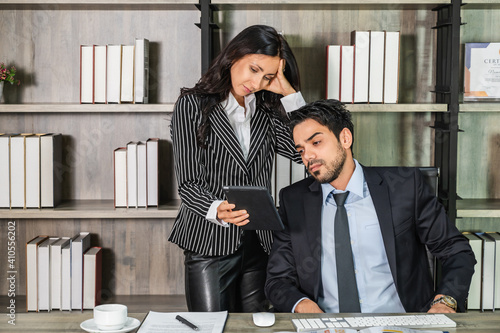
234,282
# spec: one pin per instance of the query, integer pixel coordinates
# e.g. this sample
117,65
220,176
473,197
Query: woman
225,131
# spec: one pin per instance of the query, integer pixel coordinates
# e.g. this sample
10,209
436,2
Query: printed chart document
165,322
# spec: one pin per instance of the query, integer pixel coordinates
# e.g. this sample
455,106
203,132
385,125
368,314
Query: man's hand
225,212
307,306
440,308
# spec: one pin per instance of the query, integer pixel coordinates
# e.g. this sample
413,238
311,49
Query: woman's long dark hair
215,85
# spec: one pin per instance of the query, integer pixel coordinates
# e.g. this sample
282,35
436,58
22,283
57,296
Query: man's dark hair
328,112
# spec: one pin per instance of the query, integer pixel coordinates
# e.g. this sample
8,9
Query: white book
361,42
391,67
32,273
32,170
79,245
298,172
152,149
127,88
274,193
17,171
141,71
347,73
92,277
113,73
132,174
333,72
474,299
496,237
4,171
100,52
56,271
283,170
66,276
120,175
488,272
50,169
44,282
376,85
86,74
142,188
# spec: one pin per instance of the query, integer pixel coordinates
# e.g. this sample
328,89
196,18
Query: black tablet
259,204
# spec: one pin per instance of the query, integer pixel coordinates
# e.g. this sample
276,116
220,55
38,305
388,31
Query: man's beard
333,169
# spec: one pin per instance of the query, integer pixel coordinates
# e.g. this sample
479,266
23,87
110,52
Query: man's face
321,152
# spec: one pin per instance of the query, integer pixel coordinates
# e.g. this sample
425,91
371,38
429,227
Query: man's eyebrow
309,139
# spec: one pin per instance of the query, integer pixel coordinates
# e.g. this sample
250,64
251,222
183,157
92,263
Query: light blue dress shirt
377,291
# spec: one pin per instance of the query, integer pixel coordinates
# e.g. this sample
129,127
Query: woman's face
252,73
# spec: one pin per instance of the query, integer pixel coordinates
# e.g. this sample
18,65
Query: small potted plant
7,75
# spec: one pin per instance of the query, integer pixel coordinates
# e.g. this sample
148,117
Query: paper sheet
164,322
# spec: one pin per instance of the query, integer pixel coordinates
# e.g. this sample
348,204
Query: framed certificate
482,72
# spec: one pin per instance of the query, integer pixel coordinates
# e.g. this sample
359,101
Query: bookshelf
47,36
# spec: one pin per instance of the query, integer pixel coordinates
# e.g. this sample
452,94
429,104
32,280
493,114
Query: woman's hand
279,84
225,212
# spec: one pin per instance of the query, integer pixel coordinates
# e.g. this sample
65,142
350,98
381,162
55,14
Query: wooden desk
57,321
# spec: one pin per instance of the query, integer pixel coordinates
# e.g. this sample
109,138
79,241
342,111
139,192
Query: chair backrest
431,176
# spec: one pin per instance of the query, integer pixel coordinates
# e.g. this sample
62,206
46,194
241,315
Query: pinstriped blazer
201,173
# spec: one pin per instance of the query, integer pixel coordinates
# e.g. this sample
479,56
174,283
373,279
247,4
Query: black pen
187,323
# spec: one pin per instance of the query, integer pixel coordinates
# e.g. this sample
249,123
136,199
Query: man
390,217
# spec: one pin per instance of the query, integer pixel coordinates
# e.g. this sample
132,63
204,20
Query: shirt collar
232,106
355,185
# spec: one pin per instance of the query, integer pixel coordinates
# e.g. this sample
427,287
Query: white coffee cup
108,317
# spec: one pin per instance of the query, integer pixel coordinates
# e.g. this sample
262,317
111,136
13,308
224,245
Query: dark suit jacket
410,217
201,173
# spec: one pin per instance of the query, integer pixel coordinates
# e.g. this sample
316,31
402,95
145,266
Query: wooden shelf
333,2
92,209
78,108
480,107
397,107
100,2
478,208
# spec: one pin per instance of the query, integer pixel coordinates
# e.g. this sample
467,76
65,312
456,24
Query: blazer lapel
219,123
382,202
258,130
313,205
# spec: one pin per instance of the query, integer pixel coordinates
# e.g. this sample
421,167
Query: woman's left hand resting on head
279,84
237,217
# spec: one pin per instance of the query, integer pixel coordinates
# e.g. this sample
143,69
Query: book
283,173
44,273
496,299
127,85
482,72
376,77
50,169
66,276
333,72
17,171
152,151
391,67
346,73
120,176
475,291
142,180
86,74
5,171
298,172
32,171
56,271
32,272
132,174
361,42
141,71
92,277
212,322
487,272
79,245
113,73
100,53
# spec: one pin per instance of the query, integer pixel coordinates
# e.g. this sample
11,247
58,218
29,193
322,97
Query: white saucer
90,326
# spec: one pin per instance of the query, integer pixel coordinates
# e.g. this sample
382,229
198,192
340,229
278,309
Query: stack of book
484,292
366,71
30,170
136,174
63,273
115,73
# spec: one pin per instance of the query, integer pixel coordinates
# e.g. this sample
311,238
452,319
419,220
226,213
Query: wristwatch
446,300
